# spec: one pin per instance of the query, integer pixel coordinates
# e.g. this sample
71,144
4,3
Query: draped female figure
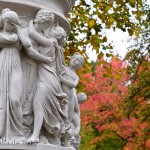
10,78
49,98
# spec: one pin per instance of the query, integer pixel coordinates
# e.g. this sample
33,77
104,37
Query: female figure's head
44,19
77,61
10,19
1,20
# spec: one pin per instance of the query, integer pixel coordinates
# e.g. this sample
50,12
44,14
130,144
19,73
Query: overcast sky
120,41
118,38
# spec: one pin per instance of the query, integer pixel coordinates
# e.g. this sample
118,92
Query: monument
39,105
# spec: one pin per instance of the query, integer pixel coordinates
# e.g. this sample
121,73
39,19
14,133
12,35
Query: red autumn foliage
107,108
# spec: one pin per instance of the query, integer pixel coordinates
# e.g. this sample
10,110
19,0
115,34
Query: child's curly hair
77,54
62,34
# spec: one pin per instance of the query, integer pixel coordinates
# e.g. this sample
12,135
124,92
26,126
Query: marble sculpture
38,99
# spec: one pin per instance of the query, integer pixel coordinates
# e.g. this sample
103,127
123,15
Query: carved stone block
35,147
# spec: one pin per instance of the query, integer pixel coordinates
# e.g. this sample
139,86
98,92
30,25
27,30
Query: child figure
72,137
69,80
81,97
74,131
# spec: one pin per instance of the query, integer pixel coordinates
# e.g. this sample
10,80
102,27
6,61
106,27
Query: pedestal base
34,147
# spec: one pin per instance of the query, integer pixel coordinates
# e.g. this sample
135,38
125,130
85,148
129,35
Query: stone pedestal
35,147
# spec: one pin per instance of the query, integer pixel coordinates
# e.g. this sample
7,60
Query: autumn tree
138,96
102,115
116,114
90,18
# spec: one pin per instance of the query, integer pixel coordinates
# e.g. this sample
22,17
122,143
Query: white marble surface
62,6
29,9
35,147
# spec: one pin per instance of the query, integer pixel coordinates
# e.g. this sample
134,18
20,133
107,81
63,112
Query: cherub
73,133
76,117
69,80
72,137
81,97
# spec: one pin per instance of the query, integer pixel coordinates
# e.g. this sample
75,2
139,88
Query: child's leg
76,116
70,107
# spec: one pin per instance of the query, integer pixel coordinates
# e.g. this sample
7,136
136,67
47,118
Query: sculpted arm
29,49
37,56
37,37
71,84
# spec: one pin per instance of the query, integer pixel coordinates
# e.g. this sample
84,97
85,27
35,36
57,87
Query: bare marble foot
33,140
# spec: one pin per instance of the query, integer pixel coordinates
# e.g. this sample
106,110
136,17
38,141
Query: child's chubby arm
71,84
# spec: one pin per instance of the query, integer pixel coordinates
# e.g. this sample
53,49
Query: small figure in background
81,97
74,131
70,79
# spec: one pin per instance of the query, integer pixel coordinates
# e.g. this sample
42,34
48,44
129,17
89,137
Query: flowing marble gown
10,87
49,93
